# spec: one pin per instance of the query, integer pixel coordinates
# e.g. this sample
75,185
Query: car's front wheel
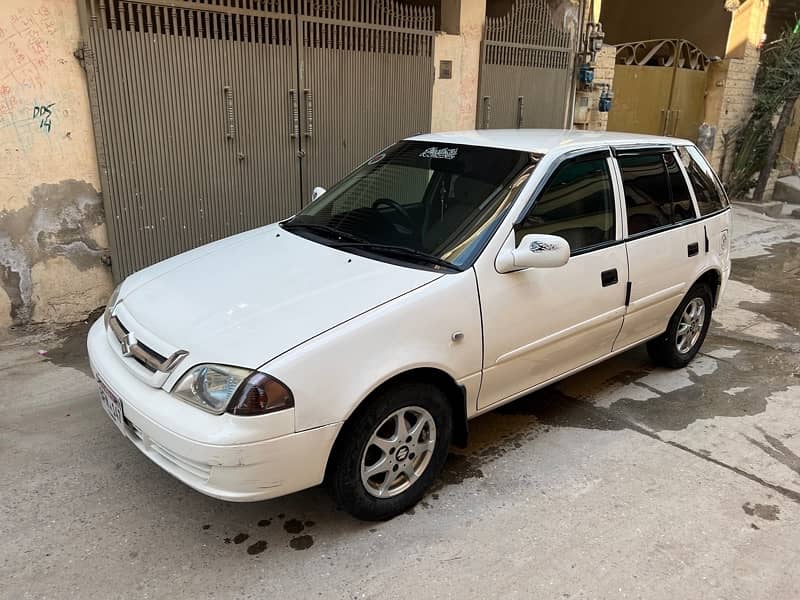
390,452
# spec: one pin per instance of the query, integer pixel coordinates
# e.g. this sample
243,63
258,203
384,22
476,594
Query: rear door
713,208
663,240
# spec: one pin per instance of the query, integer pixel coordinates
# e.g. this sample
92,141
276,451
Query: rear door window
576,204
710,197
647,197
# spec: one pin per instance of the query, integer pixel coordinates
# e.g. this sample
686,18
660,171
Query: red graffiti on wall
25,44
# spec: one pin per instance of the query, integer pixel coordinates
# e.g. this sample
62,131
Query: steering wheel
408,222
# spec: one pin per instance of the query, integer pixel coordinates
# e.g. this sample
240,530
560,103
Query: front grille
141,353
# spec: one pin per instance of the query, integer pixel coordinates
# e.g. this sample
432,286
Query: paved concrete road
621,482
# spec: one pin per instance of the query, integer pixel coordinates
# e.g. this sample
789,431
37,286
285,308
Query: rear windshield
437,199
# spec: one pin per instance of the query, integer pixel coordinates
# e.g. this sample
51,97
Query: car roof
544,141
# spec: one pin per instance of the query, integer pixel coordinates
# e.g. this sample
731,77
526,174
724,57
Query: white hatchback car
449,274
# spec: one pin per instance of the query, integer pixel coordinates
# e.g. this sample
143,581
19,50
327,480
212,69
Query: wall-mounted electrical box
582,108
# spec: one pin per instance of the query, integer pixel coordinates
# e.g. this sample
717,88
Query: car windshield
427,203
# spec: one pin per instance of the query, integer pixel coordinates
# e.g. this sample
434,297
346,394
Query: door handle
609,277
309,112
693,249
230,119
295,110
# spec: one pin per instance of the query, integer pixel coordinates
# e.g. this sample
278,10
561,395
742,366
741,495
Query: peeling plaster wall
455,100
52,232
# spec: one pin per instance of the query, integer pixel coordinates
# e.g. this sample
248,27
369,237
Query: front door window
577,204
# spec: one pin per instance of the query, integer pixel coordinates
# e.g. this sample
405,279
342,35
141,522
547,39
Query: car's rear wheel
391,450
687,330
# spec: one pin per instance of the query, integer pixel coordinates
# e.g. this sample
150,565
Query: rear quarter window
709,194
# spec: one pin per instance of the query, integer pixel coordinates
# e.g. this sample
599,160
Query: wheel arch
713,278
455,394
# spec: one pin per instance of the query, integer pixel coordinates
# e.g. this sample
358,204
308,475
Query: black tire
663,350
345,474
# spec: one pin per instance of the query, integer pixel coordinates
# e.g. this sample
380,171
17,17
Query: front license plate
112,405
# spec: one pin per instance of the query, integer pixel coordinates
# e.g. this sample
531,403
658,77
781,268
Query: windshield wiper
325,229
399,250
353,241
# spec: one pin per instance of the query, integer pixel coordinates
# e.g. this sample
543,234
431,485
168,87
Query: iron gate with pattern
526,73
212,117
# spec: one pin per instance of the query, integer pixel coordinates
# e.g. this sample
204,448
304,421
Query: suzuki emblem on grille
127,343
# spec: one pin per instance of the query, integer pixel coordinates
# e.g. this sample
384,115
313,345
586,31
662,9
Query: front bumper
200,449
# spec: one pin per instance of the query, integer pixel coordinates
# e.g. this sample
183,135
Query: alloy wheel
398,452
690,326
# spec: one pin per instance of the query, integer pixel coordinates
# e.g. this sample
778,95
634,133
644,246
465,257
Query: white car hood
246,299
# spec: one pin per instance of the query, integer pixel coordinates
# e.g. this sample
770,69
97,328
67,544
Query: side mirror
535,250
316,193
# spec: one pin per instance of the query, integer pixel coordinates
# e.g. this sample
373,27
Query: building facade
92,144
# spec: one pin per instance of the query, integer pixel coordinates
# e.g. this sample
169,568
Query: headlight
219,388
110,305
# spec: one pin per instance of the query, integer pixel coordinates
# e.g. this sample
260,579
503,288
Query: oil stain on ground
301,542
293,526
258,547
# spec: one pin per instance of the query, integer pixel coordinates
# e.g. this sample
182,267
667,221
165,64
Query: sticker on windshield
434,152
377,158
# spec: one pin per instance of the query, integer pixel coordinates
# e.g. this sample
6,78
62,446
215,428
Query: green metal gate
527,66
213,117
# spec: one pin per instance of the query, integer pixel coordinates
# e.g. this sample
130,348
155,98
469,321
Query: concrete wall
455,100
52,232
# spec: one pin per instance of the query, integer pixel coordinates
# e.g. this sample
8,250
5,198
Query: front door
540,323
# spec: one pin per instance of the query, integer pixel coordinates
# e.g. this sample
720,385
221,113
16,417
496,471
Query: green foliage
778,82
